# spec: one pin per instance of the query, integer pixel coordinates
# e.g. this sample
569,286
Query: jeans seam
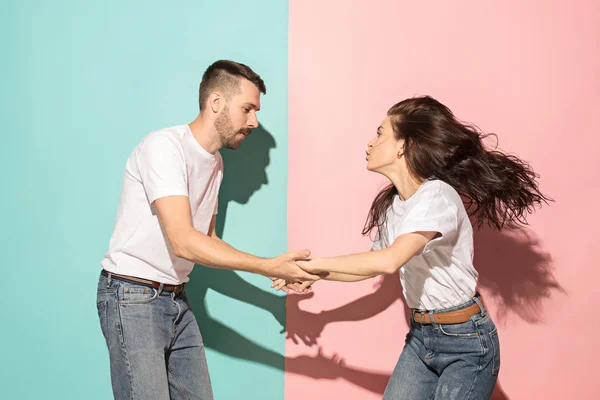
102,308
479,369
473,384
175,324
495,354
174,334
183,392
124,350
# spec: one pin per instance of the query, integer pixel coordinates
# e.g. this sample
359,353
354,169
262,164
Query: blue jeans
155,347
454,362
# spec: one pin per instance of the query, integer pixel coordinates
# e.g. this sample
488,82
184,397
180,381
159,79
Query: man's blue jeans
155,347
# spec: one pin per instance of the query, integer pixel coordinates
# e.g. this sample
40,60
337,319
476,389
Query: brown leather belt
449,317
156,285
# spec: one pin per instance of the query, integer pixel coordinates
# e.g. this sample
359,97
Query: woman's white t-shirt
442,274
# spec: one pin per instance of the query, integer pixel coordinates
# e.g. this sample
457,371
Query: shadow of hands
318,366
296,327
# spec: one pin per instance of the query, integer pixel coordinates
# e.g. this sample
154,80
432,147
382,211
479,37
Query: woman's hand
314,266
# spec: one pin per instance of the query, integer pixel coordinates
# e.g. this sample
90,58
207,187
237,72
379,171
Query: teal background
82,83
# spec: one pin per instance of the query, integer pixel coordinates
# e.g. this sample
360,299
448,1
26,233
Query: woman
423,229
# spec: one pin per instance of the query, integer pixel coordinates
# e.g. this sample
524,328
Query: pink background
528,71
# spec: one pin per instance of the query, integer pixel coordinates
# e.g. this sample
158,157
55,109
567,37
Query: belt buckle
178,289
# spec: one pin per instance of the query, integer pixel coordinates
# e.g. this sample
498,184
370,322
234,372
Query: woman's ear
400,148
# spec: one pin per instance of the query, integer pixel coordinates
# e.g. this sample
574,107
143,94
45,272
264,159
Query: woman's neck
406,184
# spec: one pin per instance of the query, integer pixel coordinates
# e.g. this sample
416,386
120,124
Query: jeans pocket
137,295
495,344
466,329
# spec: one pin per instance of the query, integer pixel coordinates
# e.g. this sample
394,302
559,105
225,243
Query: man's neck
205,134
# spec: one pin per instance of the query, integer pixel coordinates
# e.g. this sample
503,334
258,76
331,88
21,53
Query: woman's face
384,151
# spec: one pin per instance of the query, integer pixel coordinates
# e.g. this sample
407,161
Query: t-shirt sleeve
431,213
377,245
379,241
161,165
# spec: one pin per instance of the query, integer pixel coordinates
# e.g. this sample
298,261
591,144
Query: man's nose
252,121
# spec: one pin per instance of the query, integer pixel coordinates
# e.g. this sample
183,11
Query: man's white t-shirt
442,274
167,162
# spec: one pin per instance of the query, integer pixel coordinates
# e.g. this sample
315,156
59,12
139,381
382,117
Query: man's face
238,117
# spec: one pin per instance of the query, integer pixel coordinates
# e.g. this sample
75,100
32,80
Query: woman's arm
342,277
372,263
302,287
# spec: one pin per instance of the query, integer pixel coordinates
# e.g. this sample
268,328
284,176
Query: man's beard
226,131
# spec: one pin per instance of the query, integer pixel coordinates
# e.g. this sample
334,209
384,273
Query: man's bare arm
175,216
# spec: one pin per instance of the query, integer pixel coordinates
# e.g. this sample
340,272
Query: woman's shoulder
439,190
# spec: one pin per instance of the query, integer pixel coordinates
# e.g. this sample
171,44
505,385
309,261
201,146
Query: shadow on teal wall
245,174
83,82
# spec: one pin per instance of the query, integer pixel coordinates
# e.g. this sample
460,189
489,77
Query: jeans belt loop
481,308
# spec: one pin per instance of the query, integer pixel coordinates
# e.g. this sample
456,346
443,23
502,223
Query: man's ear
216,101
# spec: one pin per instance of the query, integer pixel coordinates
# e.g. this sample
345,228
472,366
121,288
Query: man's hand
302,286
285,267
298,287
283,285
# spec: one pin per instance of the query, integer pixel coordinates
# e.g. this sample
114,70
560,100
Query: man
165,224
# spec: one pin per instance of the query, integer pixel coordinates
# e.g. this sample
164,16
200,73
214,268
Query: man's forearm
213,252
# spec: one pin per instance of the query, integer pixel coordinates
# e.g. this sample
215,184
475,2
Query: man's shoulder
172,133
168,137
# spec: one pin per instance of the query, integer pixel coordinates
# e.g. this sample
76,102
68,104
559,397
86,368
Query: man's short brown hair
225,75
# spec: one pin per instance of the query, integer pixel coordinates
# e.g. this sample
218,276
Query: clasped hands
295,271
